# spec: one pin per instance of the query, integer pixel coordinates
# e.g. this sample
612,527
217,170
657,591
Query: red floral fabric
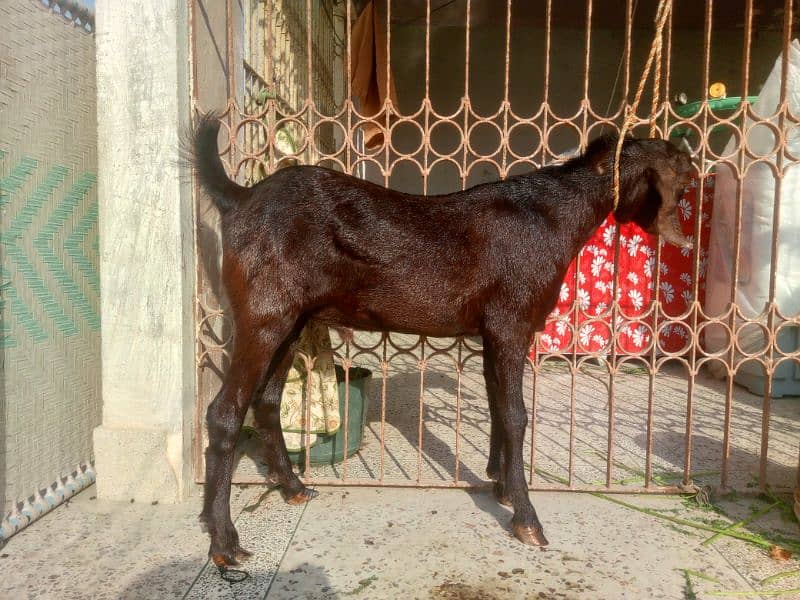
593,287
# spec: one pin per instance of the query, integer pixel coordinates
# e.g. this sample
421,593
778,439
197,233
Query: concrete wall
143,447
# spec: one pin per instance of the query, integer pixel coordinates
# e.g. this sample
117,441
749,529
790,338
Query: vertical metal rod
571,463
506,103
587,54
271,79
772,317
656,301
309,60
615,282
741,158
534,385
306,435
348,103
422,366
546,98
648,457
667,56
231,86
229,49
384,375
427,101
726,435
687,464
465,102
459,372
613,366
347,365
748,39
388,105
626,88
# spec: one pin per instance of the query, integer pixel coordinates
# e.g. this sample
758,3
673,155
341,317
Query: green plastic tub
329,449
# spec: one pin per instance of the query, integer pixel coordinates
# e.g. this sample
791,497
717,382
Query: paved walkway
403,543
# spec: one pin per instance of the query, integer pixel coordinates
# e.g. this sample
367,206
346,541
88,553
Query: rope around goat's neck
662,15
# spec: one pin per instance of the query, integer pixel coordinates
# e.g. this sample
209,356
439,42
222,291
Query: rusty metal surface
314,68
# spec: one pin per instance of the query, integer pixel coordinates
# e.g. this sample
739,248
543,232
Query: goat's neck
586,207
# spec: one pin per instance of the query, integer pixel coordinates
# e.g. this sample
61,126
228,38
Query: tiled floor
397,543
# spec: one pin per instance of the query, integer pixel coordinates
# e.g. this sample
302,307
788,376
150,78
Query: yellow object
717,90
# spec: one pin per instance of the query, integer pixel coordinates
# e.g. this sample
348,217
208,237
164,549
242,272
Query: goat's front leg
267,413
253,351
508,350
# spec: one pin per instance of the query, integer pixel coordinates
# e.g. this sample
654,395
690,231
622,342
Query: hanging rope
662,15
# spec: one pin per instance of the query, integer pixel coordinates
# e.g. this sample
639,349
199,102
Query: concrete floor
443,447
454,544
399,543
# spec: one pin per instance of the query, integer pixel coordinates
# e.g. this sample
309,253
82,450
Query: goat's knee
223,420
515,420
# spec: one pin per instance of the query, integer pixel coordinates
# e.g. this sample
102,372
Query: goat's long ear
669,188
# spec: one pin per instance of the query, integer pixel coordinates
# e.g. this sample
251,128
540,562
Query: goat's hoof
231,559
301,498
500,495
531,535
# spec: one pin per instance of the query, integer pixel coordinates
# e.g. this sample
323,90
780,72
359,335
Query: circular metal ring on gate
763,129
675,326
792,133
594,336
491,147
438,138
789,330
722,327
569,145
734,133
639,334
284,138
335,126
248,129
404,128
356,128
749,332
524,140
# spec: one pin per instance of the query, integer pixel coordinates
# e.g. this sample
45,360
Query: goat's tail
204,155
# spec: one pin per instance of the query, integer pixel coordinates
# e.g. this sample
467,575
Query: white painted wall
143,447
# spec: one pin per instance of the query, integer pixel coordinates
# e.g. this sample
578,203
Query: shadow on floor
707,452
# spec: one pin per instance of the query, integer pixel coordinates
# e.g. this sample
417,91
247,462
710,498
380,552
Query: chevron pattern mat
49,284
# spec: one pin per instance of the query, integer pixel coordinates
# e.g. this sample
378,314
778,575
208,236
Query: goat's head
653,175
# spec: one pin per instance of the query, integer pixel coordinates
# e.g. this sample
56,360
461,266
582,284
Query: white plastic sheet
760,186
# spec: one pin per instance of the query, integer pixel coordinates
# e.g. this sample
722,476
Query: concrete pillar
143,449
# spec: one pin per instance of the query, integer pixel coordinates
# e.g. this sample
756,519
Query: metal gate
476,90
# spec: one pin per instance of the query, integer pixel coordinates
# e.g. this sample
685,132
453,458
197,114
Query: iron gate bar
306,114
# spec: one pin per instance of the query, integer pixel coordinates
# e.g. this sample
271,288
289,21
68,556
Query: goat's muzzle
669,228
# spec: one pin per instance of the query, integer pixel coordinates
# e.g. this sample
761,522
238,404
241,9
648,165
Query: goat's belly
419,322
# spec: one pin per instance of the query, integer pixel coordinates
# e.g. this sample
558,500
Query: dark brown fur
311,243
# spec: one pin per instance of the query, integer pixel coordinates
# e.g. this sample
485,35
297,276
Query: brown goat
311,243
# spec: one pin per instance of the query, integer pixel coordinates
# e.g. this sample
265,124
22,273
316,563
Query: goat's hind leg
266,411
253,351
495,468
